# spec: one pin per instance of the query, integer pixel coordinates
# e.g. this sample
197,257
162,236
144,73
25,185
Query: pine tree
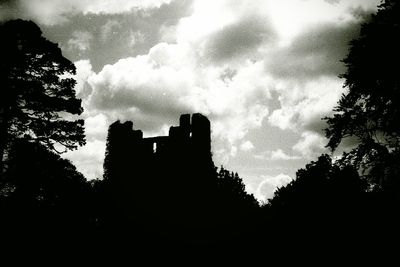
37,91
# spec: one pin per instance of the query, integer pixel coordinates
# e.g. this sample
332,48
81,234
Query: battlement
192,136
193,132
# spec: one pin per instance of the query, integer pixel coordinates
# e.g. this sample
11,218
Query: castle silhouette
192,136
163,178
187,144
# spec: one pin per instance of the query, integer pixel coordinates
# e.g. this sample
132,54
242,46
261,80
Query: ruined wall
186,147
164,175
193,135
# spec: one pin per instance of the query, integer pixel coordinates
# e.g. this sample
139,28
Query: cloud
152,90
142,85
52,12
238,39
303,105
136,37
223,59
89,159
281,155
83,72
315,52
108,29
311,145
8,10
333,1
274,155
80,40
247,146
305,73
96,127
269,184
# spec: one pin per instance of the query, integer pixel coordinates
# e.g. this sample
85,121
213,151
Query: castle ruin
163,162
192,135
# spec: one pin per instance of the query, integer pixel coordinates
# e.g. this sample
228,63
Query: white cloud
304,104
278,154
291,17
118,6
83,72
153,90
269,184
247,146
311,144
281,155
89,159
96,127
136,37
168,82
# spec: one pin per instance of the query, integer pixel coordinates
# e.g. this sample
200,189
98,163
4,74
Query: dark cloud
239,38
52,12
333,1
114,36
361,13
316,52
347,144
143,99
9,9
147,113
170,14
316,124
8,3
228,74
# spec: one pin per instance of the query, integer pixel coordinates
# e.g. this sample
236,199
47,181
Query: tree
41,178
233,190
37,91
370,110
325,202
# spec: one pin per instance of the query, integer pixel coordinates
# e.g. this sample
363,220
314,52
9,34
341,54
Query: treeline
45,201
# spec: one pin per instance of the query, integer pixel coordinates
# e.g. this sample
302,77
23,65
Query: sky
263,71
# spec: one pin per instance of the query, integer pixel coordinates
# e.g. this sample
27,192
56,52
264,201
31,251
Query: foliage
41,177
45,203
370,111
40,193
37,90
319,187
233,189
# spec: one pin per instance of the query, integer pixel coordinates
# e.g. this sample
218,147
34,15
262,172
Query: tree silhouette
36,90
41,178
370,111
326,203
233,190
319,187
46,205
